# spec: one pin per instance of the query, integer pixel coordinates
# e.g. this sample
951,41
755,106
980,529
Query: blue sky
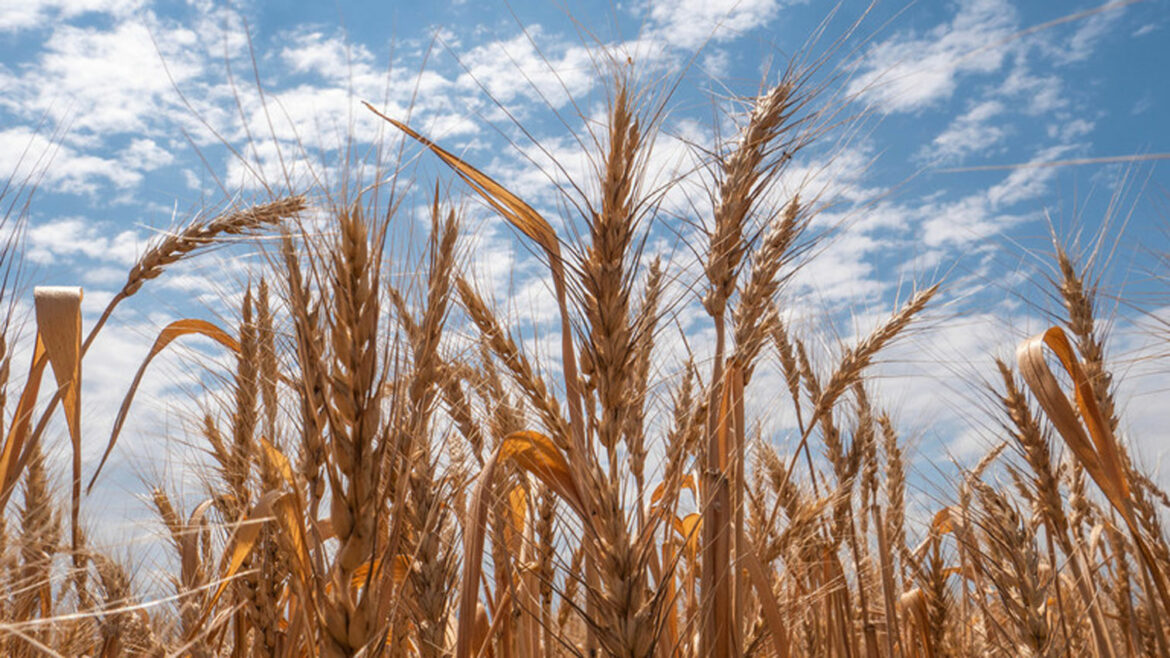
90,103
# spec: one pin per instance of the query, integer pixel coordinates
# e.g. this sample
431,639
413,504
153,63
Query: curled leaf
517,212
532,452
280,461
1098,452
946,520
537,454
688,528
165,337
688,482
189,546
58,311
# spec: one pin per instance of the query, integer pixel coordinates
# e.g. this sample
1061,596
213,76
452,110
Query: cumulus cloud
18,15
104,81
26,155
691,23
912,71
515,68
73,236
145,155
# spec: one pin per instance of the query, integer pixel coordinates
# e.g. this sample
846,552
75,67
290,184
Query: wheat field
392,472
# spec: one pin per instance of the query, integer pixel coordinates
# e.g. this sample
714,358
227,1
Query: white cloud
717,63
1040,94
932,377
1070,130
910,72
301,127
514,68
971,133
978,216
75,236
25,14
1028,182
1089,32
103,276
145,155
314,52
688,24
26,155
842,271
102,82
1145,29
958,223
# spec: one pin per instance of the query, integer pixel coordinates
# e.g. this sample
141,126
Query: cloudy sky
132,115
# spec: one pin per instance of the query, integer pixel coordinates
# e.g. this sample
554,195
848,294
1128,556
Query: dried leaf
688,482
537,454
169,333
22,419
1100,455
58,311
516,211
518,504
246,535
293,536
946,520
768,603
532,452
280,461
688,528
399,570
189,546
468,632
915,602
